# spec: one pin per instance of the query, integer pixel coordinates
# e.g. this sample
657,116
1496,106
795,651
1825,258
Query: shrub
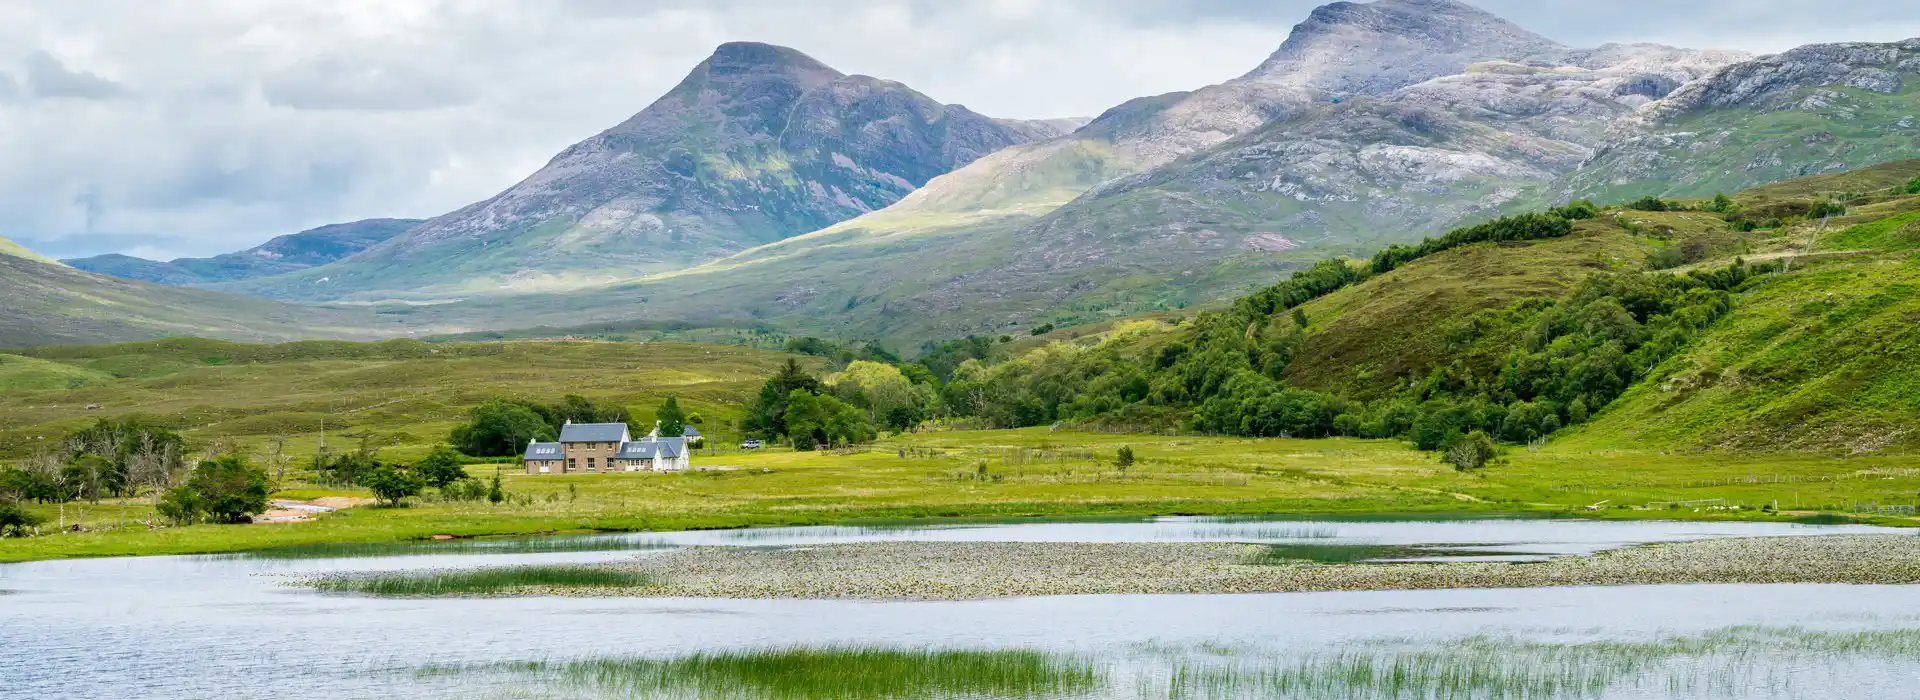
1825,208
494,494
441,467
1576,210
1913,186
465,490
391,485
1666,257
229,489
180,506
1041,329
1124,457
15,521
1650,203
1471,452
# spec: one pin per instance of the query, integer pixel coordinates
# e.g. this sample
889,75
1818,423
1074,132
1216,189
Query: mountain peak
1348,48
752,58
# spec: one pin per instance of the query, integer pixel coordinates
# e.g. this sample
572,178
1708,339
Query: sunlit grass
474,582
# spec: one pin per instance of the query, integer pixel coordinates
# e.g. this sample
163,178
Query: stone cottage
605,447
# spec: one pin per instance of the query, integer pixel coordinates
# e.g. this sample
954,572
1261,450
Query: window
570,464
589,464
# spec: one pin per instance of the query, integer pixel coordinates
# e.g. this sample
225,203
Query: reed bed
1732,662
517,545
850,673
482,582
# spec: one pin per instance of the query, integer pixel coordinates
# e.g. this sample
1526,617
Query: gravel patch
974,570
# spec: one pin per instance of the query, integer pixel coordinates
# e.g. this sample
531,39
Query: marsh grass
1727,663
517,545
1361,553
1256,533
479,582
854,673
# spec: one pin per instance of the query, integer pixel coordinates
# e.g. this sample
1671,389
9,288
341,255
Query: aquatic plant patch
853,673
516,545
474,582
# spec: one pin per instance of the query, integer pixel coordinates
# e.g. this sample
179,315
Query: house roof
593,432
543,451
690,431
670,448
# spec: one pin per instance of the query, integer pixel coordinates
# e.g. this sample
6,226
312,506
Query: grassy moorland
402,395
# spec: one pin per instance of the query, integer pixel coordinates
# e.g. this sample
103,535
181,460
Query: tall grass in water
859,673
1726,663
1360,553
518,545
480,581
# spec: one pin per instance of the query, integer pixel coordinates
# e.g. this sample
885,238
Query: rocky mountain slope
288,253
757,144
1185,198
1814,109
47,303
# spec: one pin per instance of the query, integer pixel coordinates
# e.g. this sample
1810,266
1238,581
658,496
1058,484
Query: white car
750,445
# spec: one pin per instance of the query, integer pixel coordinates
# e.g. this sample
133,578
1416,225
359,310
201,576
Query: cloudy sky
165,128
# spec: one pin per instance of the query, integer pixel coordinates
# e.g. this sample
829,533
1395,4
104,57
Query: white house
605,447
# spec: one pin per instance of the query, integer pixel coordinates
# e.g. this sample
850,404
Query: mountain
294,251
757,144
49,303
1179,199
1814,109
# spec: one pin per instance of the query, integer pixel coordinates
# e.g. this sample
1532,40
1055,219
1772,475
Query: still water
229,627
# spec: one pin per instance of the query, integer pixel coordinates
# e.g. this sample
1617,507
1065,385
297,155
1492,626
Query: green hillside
47,303
1672,325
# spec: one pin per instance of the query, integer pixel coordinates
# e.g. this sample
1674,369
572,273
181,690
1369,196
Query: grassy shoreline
1041,473
981,570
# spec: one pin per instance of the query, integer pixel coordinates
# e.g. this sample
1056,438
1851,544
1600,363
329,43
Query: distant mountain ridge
758,143
288,253
47,303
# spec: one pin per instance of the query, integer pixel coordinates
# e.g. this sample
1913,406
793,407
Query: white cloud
193,127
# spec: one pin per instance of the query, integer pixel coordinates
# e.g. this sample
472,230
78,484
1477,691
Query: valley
1432,357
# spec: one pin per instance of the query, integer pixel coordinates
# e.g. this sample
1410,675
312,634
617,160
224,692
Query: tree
1471,452
494,492
500,428
767,417
229,489
1123,458
671,421
440,467
16,521
1299,317
846,425
391,486
1041,329
901,419
806,420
